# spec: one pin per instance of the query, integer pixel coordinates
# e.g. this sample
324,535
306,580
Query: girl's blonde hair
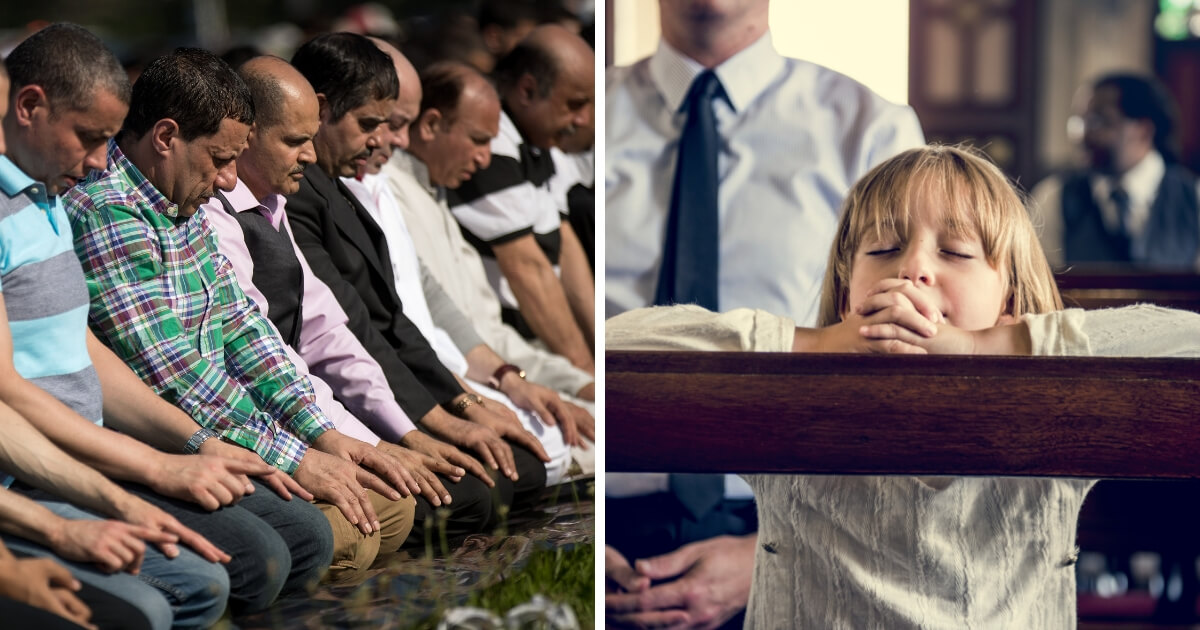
973,198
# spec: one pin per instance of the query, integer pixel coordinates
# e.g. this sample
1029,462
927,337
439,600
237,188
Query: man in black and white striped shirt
509,213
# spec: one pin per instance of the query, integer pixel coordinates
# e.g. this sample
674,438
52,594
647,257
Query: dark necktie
690,250
1123,240
1120,200
697,493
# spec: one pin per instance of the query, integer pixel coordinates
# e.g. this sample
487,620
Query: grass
548,551
564,576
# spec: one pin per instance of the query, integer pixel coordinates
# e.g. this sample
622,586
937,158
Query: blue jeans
187,589
277,546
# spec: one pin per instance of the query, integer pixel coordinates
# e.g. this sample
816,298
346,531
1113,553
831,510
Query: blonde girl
934,253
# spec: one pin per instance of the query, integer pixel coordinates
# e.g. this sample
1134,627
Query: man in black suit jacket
356,88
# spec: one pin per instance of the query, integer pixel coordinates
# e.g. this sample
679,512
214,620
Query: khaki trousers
353,551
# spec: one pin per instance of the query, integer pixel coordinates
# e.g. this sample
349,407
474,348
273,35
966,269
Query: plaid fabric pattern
168,303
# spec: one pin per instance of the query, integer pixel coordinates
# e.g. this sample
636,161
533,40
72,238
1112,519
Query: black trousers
655,524
474,506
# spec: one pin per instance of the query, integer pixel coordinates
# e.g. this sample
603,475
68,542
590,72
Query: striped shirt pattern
44,294
510,199
169,304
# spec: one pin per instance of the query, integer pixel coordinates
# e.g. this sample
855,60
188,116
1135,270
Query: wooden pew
1129,419
1109,287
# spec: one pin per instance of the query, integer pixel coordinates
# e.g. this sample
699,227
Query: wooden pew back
1100,288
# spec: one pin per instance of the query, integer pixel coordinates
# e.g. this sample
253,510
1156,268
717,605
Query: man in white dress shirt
1134,204
449,141
451,334
793,138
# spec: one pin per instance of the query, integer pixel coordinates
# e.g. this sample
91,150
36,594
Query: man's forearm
442,423
116,455
578,283
32,458
544,305
21,516
482,363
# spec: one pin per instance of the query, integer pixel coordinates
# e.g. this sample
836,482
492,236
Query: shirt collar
242,200
121,167
13,180
1140,182
508,129
413,165
743,76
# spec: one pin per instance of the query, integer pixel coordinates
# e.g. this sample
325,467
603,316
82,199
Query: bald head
445,84
403,112
273,82
566,46
410,82
288,116
547,82
547,53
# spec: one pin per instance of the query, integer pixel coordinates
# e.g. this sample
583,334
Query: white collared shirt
795,137
377,198
459,268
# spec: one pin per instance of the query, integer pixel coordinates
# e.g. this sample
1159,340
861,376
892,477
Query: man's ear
427,124
27,101
253,132
527,88
326,112
162,134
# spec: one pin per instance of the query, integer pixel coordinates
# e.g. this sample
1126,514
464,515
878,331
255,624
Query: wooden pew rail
921,415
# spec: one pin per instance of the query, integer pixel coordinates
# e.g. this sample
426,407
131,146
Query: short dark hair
527,58
1145,98
69,63
348,69
442,85
194,88
266,94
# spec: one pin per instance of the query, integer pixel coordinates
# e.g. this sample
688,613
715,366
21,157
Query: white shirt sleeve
690,327
1143,330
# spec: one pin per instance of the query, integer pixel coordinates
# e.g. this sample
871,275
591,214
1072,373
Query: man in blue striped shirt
69,96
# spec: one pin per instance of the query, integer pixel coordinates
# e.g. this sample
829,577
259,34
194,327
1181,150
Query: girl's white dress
907,552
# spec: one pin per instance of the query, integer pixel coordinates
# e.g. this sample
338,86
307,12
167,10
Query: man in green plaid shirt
167,302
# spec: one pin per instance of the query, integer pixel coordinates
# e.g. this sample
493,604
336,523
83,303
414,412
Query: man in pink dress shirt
252,226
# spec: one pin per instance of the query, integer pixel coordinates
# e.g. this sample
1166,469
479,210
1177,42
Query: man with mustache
168,303
508,211
1134,203
348,252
